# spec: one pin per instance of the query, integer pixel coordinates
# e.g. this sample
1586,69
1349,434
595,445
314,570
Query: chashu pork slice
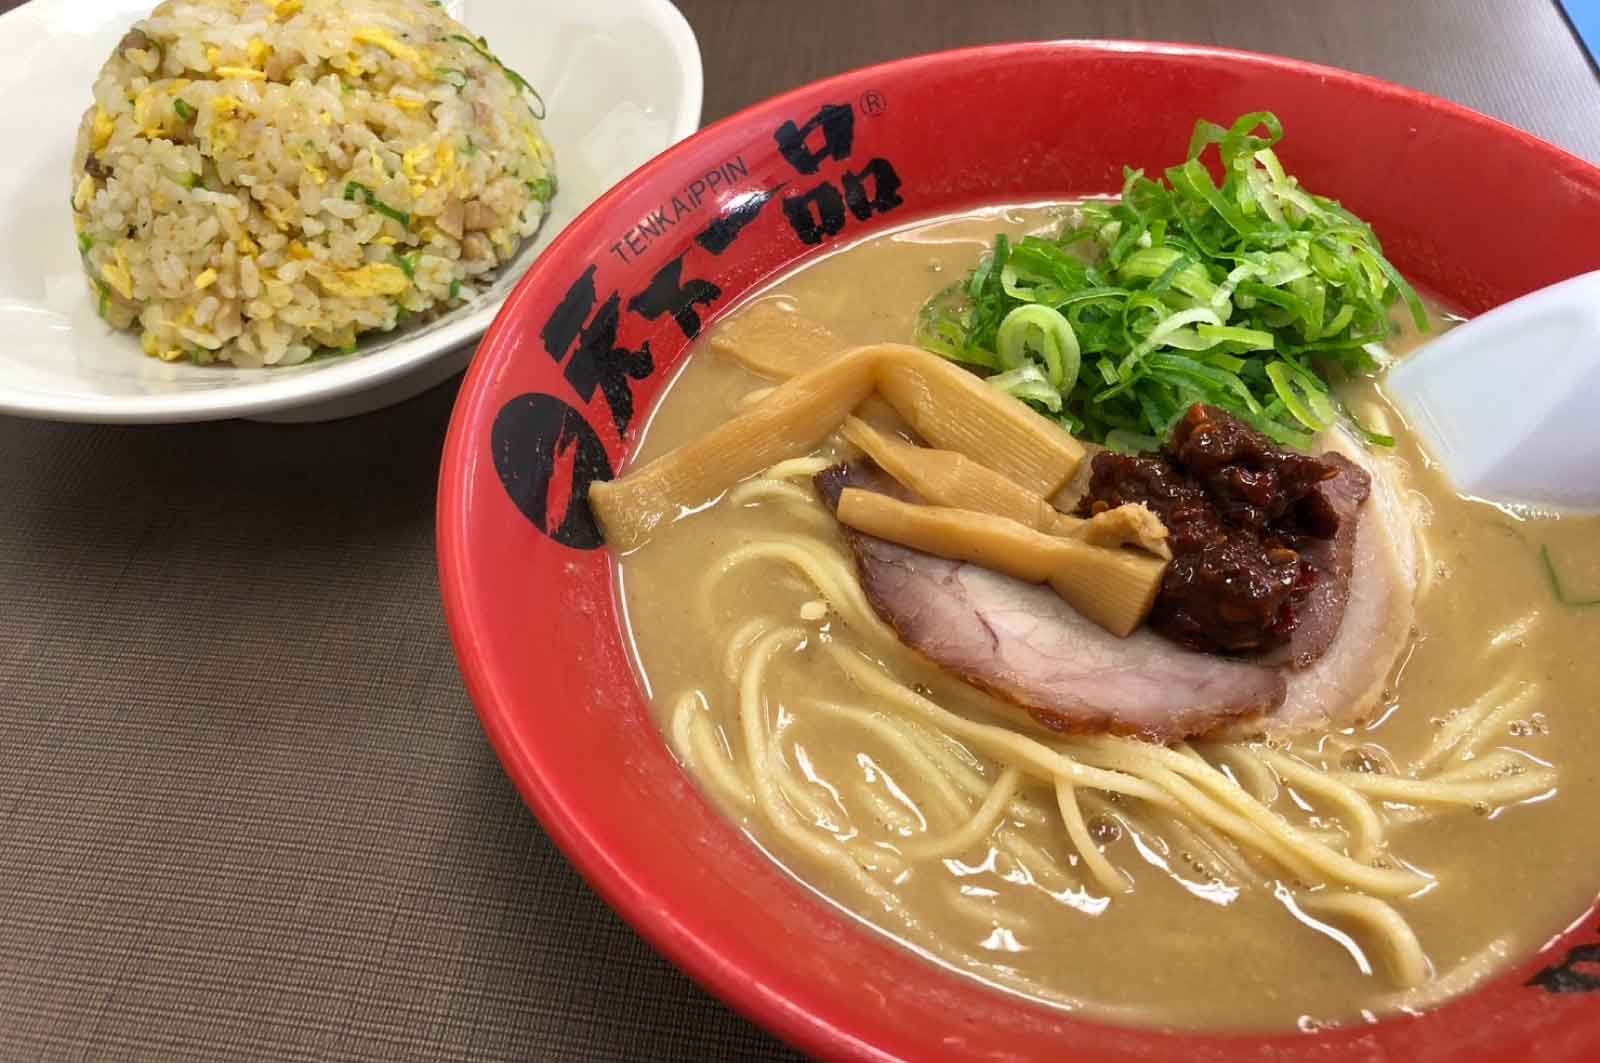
1022,643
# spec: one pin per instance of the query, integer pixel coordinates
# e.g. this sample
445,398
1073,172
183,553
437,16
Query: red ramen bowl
565,378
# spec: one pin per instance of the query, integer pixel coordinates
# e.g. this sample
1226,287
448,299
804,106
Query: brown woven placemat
246,812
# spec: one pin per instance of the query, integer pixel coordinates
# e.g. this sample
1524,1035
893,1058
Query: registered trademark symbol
873,103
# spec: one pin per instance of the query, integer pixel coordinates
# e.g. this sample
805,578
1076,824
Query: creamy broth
1014,907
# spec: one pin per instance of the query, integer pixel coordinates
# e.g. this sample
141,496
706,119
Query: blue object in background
1585,18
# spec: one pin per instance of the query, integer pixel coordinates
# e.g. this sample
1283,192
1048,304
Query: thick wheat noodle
1247,822
1460,724
1486,724
828,573
797,790
764,488
1230,855
830,576
1186,799
739,644
891,814
982,911
1517,629
889,861
1262,784
1454,982
711,754
1110,879
966,777
678,725
834,578
1145,837
975,784
841,590
1427,567
1227,855
980,826
796,468
800,797
1187,750
1223,803
1430,791
1328,860
1493,726
951,772
1355,812
763,766
892,735
696,743
1492,764
1226,789
860,850
1332,837
1040,866
956,756
823,813
1408,964
1191,801
1245,864
1397,816
1027,753
701,748
868,851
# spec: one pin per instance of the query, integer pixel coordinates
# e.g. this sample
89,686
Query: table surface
248,813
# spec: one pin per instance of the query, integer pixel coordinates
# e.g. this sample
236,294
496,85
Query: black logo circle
545,452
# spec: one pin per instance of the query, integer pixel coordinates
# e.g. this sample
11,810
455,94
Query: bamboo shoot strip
775,342
780,344
790,422
1115,588
944,403
946,478
952,409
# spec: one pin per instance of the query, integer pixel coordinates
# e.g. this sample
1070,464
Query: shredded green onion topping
1246,295
185,111
1555,584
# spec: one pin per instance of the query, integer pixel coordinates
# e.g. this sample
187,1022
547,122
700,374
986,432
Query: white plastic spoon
1509,402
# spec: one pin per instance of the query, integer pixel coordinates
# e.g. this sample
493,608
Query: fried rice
259,182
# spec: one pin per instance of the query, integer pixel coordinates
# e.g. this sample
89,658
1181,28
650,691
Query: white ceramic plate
621,81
